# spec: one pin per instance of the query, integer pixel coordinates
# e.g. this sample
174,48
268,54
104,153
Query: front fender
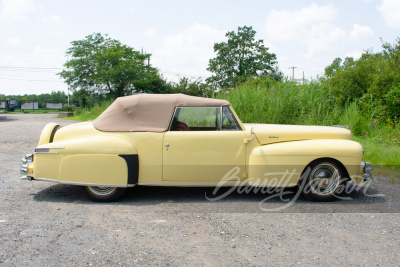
281,164
98,160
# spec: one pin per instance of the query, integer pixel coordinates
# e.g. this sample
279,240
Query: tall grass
267,101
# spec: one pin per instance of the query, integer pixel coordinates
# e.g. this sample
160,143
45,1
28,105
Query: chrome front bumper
24,167
367,166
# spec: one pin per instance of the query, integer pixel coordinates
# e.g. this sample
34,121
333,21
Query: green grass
383,153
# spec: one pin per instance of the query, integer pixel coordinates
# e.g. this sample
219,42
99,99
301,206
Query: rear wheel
104,194
325,180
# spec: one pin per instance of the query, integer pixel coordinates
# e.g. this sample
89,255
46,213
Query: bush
392,99
70,108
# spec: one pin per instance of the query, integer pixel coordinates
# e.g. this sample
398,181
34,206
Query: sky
180,35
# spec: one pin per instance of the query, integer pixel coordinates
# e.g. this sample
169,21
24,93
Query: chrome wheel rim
324,179
101,191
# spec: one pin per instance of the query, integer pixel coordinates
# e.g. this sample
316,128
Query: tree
336,64
192,87
373,81
101,65
239,58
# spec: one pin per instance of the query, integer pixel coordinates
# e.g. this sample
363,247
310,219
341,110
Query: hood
275,133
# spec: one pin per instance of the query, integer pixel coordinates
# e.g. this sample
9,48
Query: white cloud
188,52
324,41
11,60
50,20
16,9
287,25
14,41
151,32
354,54
52,57
359,32
59,34
390,11
311,26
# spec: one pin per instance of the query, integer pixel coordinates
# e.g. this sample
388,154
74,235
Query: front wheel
103,194
323,180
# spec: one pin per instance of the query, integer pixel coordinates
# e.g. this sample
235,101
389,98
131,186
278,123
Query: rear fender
99,160
48,133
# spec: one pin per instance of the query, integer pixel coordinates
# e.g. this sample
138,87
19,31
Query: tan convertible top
148,113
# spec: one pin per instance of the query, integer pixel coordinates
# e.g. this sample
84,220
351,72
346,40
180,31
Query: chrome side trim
81,184
46,180
212,185
92,184
46,150
184,185
50,148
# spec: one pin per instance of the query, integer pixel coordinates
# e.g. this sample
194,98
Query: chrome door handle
167,145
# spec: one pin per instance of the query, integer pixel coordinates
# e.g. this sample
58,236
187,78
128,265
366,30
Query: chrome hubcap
101,191
324,179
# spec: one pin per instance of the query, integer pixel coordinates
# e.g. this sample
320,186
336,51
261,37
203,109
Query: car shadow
242,199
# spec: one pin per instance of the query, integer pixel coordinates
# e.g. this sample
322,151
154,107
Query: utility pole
148,61
293,72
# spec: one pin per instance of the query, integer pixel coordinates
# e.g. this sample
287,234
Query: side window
228,120
196,119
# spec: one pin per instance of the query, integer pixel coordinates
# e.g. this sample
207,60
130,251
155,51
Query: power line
30,51
30,71
181,75
34,68
52,70
27,76
54,81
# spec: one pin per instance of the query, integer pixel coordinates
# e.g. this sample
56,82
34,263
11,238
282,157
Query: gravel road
46,224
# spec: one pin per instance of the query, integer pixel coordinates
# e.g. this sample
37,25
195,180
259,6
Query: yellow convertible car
180,140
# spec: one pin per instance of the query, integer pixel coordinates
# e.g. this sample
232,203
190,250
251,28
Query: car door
201,148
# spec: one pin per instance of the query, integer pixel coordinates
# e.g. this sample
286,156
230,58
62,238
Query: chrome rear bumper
24,167
367,171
